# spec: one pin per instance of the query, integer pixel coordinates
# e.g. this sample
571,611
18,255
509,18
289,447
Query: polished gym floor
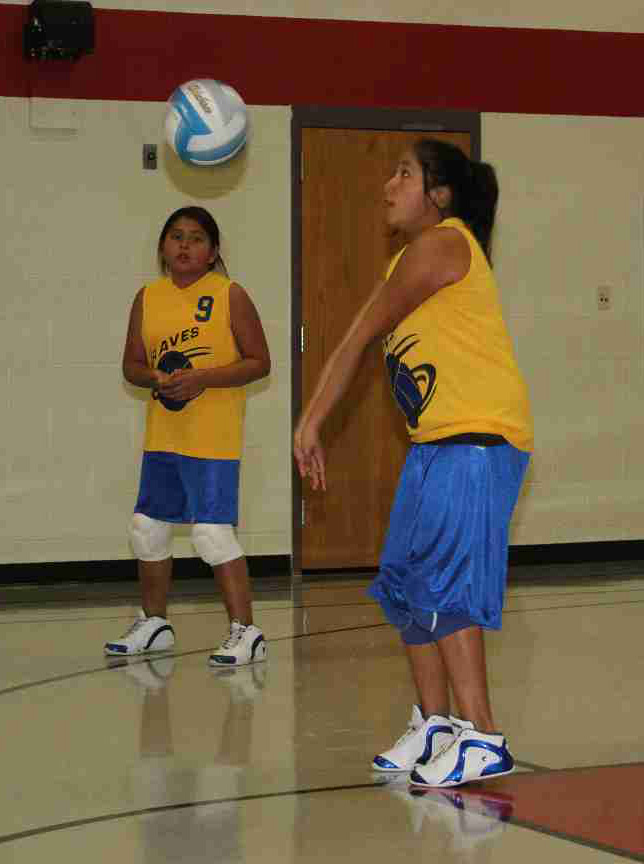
166,760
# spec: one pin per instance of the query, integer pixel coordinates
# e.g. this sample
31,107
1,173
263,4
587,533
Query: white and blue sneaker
472,755
421,742
244,644
145,636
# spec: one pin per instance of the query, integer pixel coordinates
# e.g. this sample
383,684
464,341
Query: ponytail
479,209
473,185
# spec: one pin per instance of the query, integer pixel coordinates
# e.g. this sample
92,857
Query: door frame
320,116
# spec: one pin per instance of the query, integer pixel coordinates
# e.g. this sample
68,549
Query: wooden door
345,249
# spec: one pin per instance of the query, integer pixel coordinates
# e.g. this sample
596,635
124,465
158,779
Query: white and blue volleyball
206,122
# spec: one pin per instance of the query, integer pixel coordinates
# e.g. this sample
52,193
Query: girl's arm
135,362
435,259
249,336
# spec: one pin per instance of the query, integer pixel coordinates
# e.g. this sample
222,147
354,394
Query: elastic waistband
478,439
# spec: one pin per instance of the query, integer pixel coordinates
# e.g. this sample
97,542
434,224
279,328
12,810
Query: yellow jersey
451,361
184,328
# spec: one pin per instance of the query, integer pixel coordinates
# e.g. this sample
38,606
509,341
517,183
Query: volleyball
206,122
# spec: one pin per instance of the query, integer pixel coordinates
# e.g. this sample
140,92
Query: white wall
570,220
80,228
623,16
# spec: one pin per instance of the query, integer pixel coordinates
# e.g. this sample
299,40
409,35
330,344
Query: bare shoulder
137,303
445,251
242,307
237,292
239,301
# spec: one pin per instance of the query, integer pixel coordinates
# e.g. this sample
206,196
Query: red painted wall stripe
282,61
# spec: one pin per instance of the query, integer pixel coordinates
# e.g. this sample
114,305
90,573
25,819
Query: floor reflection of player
149,778
165,776
470,817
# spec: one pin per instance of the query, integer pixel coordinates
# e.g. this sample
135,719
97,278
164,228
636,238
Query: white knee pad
151,540
215,544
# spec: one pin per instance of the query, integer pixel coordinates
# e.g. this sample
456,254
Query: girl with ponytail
453,374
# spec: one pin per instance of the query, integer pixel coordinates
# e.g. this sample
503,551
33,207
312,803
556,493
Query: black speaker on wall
59,30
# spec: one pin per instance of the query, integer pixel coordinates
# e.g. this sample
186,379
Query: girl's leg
234,584
463,654
245,644
426,735
430,677
144,636
155,578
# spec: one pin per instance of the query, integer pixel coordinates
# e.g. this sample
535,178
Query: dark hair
473,185
205,220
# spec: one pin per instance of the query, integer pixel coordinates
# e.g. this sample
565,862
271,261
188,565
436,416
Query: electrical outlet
604,297
149,157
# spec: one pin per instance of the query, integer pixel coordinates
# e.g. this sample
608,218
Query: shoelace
234,638
445,747
134,627
410,731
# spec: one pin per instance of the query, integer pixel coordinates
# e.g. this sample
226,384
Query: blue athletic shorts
446,550
443,625
178,488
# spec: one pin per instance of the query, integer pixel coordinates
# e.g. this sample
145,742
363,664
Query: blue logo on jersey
412,388
169,363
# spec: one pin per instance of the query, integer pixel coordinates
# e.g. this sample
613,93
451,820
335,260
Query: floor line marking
168,808
579,841
536,768
304,605
138,659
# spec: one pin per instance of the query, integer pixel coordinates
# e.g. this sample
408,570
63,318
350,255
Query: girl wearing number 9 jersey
195,340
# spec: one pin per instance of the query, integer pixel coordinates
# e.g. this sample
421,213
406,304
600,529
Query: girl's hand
309,455
181,385
160,377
